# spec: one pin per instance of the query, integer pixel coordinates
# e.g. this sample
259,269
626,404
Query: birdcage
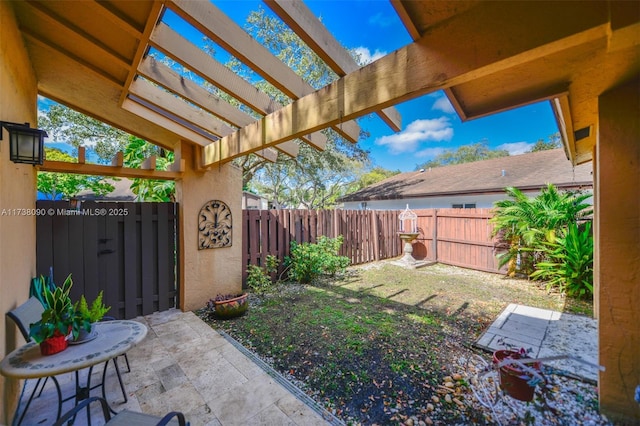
408,221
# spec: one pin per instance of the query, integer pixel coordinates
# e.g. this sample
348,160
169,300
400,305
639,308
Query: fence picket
460,237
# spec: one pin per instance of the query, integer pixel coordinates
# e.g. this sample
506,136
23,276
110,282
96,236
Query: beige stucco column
206,273
617,238
17,191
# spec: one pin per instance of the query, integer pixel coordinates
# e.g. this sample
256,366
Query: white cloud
437,129
364,55
443,104
429,152
516,148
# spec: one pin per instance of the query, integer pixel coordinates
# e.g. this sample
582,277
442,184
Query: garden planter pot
85,336
514,380
232,308
53,345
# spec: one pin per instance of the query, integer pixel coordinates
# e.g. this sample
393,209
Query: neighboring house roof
121,192
526,172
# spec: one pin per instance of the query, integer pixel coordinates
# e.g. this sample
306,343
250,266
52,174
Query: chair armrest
83,404
166,419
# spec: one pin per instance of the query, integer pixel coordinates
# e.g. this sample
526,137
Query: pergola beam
168,102
434,62
213,23
102,170
62,25
176,124
154,16
164,76
189,55
117,18
308,27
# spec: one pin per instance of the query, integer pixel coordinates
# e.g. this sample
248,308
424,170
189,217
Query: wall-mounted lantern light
26,144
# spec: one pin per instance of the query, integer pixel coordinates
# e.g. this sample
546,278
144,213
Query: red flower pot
53,345
231,308
514,380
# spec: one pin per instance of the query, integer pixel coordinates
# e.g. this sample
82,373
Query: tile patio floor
185,365
547,333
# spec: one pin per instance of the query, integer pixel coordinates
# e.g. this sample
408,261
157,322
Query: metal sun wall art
214,225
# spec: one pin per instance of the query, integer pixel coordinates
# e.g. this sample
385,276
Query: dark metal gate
127,250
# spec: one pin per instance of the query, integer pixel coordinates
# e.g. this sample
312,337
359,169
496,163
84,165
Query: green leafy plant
58,315
259,277
93,313
526,223
308,261
570,262
37,287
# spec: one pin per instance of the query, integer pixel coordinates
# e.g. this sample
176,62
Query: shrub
570,262
526,224
259,277
307,261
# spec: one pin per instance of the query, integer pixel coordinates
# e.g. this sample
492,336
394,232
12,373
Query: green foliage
67,125
374,175
308,261
93,313
76,129
464,154
526,223
314,179
136,152
259,278
58,315
552,142
67,185
569,264
37,288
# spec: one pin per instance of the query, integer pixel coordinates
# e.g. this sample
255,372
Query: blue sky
429,124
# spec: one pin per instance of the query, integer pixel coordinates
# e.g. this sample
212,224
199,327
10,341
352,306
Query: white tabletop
113,338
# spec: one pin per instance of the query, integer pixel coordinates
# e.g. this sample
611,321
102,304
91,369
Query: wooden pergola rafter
155,93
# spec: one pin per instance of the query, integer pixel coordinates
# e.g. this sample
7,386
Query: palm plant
569,264
527,223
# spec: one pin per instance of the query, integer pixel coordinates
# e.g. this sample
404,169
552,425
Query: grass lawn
375,345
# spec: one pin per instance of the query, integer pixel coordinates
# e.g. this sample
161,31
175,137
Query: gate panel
127,250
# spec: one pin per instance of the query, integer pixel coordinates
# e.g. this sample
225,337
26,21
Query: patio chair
23,316
124,417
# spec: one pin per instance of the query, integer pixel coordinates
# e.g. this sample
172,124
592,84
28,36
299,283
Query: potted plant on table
228,305
57,320
85,316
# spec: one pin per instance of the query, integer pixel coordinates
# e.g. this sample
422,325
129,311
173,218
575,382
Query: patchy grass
375,345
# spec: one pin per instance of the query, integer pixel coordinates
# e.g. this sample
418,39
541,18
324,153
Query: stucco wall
206,273
17,191
484,201
617,237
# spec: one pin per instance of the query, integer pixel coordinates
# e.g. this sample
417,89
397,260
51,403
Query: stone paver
546,334
185,365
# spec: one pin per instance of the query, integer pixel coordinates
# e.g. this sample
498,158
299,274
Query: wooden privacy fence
460,237
128,250
368,234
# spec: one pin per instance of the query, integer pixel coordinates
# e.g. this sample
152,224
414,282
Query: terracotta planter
513,380
54,344
232,308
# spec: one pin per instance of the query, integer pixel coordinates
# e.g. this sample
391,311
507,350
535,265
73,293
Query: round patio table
113,338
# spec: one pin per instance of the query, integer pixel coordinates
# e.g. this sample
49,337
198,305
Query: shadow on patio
185,365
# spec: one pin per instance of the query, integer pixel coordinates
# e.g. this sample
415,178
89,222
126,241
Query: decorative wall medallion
214,225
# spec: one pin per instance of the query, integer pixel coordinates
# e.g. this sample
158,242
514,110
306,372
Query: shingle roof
526,171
